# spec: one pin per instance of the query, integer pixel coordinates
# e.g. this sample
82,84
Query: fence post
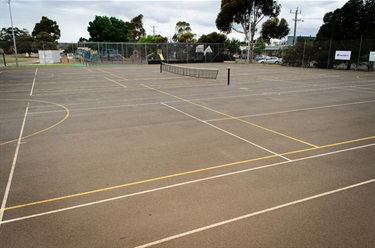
228,75
359,53
329,52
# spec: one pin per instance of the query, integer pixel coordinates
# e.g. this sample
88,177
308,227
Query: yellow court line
347,142
231,117
41,131
180,174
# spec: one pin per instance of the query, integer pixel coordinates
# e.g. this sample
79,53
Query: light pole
14,38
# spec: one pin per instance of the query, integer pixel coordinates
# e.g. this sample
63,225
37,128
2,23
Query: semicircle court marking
43,130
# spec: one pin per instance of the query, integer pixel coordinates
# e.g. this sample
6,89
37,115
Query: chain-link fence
324,54
109,52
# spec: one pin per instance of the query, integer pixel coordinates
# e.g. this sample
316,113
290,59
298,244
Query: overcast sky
73,16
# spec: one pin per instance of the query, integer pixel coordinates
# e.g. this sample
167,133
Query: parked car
259,57
270,60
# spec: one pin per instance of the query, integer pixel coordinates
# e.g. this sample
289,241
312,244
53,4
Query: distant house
289,40
274,49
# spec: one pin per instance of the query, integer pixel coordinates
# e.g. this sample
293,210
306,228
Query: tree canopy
153,39
6,38
108,29
355,19
24,43
48,26
212,38
135,28
183,32
43,41
274,28
240,11
260,45
233,45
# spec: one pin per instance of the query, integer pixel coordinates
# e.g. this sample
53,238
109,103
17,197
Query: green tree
108,29
48,26
233,45
24,44
82,39
6,33
43,41
259,46
301,54
212,38
160,39
147,39
183,32
355,19
274,28
6,38
135,28
240,11
153,39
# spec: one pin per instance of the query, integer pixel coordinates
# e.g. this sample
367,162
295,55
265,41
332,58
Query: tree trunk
252,46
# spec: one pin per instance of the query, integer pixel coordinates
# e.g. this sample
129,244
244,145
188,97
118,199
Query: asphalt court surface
126,156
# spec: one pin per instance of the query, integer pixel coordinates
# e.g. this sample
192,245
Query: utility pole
296,13
154,30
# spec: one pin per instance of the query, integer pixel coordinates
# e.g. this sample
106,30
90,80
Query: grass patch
21,59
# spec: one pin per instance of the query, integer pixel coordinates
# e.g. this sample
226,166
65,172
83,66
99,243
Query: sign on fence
49,56
343,55
372,57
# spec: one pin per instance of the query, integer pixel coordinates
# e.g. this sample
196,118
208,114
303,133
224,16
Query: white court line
181,184
273,92
115,82
7,189
256,213
32,87
88,70
95,108
113,74
157,103
294,110
220,129
36,72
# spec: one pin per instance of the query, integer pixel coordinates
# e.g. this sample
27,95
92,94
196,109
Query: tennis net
189,71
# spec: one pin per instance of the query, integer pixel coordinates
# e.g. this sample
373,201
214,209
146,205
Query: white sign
372,57
208,50
343,55
49,56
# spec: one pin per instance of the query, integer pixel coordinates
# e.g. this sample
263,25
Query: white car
270,60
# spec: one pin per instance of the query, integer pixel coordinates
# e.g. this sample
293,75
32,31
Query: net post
228,75
161,67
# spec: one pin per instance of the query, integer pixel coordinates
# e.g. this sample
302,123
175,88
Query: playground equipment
128,52
87,55
160,55
135,57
